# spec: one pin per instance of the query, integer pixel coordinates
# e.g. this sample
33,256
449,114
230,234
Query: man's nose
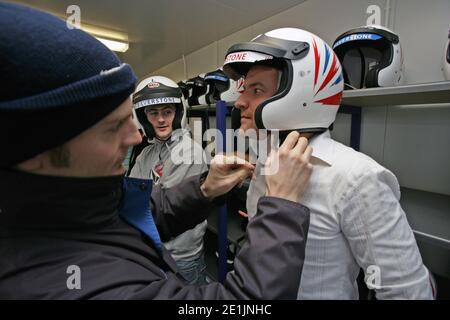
135,136
241,103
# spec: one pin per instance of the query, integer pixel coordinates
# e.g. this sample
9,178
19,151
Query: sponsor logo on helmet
357,36
155,101
246,56
153,85
237,56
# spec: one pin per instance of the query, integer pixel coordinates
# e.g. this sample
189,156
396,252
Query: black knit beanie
55,82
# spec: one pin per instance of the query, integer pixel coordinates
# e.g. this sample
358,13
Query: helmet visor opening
238,63
358,63
361,62
241,56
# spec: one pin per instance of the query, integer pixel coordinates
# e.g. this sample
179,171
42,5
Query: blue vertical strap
355,135
135,208
221,125
355,128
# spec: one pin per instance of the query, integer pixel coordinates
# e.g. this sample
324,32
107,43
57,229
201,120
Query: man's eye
257,91
117,126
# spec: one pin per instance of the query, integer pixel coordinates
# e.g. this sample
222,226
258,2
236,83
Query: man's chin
163,136
244,130
121,170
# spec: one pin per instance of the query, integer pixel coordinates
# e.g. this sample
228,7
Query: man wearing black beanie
71,227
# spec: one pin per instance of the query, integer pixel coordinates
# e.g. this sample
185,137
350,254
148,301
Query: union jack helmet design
311,81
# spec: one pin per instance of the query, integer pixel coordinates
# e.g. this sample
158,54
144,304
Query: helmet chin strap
307,134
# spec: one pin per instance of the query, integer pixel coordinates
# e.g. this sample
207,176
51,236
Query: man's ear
33,165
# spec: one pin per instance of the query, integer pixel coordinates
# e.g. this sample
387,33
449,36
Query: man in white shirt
293,81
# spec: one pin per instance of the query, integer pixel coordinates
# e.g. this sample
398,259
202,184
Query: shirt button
143,186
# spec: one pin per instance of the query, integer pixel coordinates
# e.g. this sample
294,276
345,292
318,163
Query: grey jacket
168,163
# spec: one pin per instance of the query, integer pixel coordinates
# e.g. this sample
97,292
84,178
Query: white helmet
234,90
311,81
446,68
218,82
371,56
154,91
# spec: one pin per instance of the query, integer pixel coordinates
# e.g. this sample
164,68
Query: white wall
423,27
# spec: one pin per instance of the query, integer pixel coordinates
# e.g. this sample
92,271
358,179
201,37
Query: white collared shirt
356,222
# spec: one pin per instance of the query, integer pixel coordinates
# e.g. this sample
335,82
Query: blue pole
355,128
221,125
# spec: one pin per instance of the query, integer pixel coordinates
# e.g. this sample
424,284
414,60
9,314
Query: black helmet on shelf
198,87
184,89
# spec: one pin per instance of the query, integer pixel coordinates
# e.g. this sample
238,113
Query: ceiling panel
162,31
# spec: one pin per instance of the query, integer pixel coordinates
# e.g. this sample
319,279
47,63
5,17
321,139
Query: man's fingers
241,174
307,154
290,142
270,158
249,166
243,214
301,145
232,161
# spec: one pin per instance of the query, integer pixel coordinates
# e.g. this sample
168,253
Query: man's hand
294,169
224,173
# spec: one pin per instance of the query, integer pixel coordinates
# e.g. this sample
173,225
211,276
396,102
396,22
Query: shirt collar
323,148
